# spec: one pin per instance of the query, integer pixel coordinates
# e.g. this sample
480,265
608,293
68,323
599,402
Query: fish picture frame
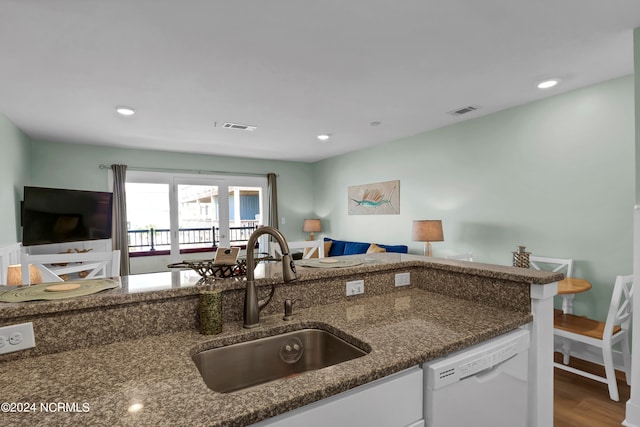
380,198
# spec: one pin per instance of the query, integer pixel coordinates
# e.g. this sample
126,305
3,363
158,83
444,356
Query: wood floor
581,402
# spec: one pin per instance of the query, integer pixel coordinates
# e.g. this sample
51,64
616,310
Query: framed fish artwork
381,198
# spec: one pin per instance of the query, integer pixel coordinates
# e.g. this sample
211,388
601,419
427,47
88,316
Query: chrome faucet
253,307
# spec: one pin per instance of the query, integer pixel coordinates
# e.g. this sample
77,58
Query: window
180,214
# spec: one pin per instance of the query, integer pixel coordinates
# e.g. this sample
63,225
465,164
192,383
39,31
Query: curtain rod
196,171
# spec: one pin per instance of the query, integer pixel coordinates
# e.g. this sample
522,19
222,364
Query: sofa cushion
402,249
355,248
338,247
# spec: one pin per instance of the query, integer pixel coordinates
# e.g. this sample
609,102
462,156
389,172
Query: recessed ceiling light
547,84
324,136
125,111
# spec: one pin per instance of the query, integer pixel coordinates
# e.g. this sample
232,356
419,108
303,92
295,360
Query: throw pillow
327,247
375,249
337,247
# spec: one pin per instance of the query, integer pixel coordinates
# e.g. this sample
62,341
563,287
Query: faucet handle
288,308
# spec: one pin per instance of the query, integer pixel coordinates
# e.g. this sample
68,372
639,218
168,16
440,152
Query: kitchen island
147,377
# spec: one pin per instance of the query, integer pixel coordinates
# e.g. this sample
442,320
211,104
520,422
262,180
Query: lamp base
427,249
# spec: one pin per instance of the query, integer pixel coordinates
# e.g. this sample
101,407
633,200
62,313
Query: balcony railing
147,240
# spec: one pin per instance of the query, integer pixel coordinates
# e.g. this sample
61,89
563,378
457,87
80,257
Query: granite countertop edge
121,295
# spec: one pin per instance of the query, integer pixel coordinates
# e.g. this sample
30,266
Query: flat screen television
54,215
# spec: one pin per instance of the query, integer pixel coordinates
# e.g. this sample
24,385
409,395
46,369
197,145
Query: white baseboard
632,415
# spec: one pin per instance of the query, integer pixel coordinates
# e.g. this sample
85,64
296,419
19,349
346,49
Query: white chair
467,256
602,335
564,266
557,265
309,247
84,265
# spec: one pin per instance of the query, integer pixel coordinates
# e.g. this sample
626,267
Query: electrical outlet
355,287
403,279
16,338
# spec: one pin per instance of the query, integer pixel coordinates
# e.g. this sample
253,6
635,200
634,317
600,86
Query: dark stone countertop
403,329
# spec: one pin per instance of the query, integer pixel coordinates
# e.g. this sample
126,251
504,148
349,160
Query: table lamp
311,226
14,275
427,231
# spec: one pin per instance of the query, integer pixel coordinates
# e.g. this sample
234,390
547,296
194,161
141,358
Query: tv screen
53,215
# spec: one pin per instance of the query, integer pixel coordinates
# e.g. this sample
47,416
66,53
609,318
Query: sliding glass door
148,216
186,215
199,212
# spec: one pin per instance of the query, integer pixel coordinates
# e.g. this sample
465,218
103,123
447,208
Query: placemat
38,292
329,262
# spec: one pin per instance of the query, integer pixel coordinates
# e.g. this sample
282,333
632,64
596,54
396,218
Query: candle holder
521,258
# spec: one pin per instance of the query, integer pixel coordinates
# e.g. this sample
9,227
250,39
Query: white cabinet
393,401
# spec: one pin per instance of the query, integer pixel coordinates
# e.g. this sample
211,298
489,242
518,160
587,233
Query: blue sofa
343,247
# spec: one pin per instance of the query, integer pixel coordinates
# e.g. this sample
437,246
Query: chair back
310,248
467,256
89,265
620,307
557,265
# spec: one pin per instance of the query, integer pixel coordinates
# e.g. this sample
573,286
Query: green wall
555,175
63,165
14,175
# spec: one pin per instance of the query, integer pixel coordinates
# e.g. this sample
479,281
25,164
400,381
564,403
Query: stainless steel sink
246,364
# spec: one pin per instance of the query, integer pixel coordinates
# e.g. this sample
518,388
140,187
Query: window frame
224,182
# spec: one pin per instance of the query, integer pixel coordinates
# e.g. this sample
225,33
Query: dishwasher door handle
487,374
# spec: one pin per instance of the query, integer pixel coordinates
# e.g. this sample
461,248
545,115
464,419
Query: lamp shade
311,226
427,230
14,275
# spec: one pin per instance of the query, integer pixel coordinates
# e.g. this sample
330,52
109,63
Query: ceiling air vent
463,110
239,126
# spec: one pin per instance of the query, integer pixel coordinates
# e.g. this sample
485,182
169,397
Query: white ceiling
293,68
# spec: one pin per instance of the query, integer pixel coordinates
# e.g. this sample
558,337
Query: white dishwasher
483,385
